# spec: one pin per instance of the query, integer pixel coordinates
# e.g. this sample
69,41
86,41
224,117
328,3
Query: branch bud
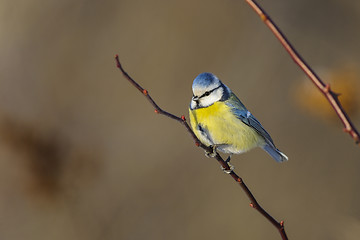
263,17
327,88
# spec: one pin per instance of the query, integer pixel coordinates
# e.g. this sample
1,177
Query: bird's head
208,89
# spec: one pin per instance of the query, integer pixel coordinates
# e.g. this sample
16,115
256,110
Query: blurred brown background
83,156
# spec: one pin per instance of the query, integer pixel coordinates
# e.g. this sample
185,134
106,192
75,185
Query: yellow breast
223,128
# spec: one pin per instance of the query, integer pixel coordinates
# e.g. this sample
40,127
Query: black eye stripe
207,93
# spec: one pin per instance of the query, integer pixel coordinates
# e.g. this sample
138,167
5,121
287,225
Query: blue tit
220,120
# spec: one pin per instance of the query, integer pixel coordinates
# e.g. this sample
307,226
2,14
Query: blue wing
246,117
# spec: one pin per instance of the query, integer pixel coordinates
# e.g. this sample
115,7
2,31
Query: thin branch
331,96
254,204
158,110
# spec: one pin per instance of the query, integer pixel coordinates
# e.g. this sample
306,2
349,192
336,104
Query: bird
221,121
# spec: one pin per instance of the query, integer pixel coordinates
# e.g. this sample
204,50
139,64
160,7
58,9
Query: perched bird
220,120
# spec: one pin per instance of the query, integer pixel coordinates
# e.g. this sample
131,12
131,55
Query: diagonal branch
331,96
224,164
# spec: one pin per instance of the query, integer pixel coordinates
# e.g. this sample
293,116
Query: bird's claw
211,154
228,171
231,167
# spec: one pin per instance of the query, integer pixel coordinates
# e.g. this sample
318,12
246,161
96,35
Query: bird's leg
228,163
212,153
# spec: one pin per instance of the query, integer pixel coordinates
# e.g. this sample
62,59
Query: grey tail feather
275,153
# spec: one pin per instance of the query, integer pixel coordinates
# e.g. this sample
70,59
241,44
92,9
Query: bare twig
331,96
254,204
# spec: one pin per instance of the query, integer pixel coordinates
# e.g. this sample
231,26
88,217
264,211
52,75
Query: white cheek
206,101
212,98
193,104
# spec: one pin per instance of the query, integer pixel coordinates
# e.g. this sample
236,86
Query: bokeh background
82,156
